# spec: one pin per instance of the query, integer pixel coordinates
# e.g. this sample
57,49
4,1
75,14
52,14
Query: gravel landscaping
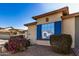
36,50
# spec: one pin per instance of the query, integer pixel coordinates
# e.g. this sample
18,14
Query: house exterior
54,22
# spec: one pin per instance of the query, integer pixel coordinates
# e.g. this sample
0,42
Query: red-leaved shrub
17,43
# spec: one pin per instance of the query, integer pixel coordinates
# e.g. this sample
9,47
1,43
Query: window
47,30
47,19
64,14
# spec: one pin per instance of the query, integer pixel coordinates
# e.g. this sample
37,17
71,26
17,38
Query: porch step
43,42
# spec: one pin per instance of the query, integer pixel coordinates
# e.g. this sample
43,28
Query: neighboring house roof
64,10
9,29
3,30
33,23
70,15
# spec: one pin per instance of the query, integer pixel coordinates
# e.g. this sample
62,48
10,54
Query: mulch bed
37,50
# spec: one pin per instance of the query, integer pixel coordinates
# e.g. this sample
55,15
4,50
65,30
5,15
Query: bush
6,45
61,43
17,43
28,43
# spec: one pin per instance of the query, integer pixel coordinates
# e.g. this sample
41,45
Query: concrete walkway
37,50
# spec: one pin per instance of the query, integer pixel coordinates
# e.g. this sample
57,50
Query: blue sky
18,14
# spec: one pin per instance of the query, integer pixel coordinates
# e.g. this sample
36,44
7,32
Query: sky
18,14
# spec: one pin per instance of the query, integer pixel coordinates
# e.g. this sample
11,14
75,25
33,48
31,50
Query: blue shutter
39,32
57,27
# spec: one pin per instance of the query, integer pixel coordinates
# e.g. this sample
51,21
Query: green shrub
61,43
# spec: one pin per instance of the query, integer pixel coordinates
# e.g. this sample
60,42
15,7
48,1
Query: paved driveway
37,50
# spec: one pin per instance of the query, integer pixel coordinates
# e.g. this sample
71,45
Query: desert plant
61,43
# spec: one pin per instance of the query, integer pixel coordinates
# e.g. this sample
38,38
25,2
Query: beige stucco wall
68,27
32,33
52,18
26,34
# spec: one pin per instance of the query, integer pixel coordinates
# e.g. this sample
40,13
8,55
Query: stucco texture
68,27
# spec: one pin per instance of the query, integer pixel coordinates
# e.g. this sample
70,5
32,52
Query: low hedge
61,43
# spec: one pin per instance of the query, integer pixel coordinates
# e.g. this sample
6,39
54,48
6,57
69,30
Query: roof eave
70,15
33,23
64,10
